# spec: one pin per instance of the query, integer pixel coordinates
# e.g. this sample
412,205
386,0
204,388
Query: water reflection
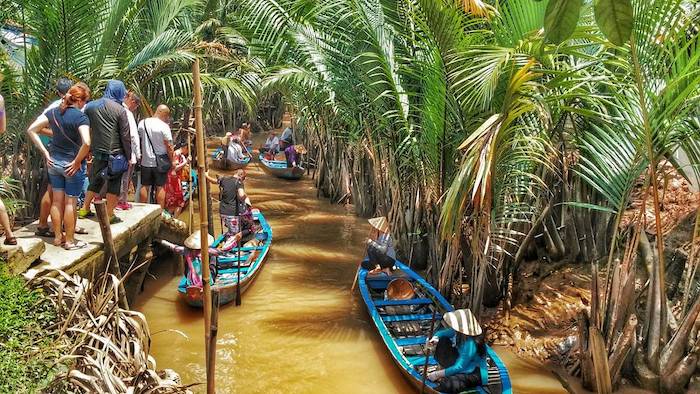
299,330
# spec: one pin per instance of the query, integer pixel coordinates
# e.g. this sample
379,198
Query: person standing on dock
4,217
131,103
111,144
156,154
65,159
43,230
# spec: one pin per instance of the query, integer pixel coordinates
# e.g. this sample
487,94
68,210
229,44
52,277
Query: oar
238,287
357,271
427,354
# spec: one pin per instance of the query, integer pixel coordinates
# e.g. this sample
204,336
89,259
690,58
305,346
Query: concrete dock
35,256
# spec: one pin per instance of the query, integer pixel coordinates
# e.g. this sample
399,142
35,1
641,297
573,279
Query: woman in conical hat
459,349
381,255
192,251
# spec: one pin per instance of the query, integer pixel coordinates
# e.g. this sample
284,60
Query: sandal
115,220
81,230
10,241
74,245
44,232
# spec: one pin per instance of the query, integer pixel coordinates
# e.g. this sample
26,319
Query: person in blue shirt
459,349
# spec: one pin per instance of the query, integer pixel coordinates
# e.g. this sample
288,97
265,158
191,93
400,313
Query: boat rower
459,350
380,248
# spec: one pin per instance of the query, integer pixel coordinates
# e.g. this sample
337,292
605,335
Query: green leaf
560,19
615,19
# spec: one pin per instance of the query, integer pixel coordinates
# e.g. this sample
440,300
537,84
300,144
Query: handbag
163,163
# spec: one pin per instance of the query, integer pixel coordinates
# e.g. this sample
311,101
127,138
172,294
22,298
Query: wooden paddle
238,262
427,353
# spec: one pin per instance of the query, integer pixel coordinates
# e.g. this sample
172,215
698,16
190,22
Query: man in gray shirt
156,140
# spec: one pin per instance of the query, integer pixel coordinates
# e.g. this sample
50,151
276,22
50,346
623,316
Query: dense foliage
27,354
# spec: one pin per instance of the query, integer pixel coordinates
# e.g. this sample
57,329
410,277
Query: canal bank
299,329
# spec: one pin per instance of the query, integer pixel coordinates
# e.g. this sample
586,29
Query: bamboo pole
204,226
190,207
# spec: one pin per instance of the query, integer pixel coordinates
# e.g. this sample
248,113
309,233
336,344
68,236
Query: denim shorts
71,185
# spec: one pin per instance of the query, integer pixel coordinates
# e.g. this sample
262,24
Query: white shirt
134,131
272,143
235,152
159,133
53,105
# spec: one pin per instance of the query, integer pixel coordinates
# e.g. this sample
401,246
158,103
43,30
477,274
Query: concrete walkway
37,256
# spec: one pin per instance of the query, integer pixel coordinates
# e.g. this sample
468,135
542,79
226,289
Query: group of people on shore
92,149
285,143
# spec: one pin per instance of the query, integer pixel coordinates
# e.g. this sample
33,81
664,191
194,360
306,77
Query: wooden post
213,331
190,207
110,253
203,224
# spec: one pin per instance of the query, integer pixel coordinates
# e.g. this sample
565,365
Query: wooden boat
219,161
280,169
404,326
252,259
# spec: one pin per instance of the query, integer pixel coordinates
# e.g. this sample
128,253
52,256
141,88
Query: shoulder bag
163,163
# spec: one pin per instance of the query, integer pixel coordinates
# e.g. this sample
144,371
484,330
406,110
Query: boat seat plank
409,341
419,361
399,318
412,301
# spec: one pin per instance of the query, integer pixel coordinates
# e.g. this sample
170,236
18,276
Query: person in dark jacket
110,135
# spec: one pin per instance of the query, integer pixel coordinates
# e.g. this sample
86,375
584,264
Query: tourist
65,159
131,103
292,153
235,151
111,147
192,253
156,154
271,146
245,135
4,217
287,136
45,134
174,195
234,204
380,248
459,350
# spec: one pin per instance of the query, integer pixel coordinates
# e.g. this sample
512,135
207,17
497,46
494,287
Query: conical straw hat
400,289
195,242
300,149
380,224
464,321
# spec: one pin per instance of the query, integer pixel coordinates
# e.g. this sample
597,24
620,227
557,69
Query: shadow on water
300,329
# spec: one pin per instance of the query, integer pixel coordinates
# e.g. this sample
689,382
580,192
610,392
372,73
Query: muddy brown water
299,329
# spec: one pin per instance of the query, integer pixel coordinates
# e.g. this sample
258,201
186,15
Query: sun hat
195,242
400,289
463,321
300,149
380,223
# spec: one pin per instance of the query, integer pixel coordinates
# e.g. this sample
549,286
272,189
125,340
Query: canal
299,329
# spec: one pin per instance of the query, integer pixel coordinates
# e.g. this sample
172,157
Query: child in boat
459,350
192,253
380,248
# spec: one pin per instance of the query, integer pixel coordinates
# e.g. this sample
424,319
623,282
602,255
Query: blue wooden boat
280,169
219,161
405,324
252,259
